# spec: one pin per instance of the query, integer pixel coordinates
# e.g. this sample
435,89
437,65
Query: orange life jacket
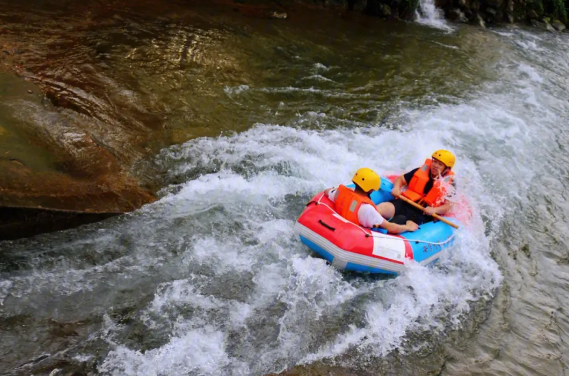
416,187
348,203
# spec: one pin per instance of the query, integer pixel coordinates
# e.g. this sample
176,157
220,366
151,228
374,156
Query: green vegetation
407,8
537,6
413,5
559,9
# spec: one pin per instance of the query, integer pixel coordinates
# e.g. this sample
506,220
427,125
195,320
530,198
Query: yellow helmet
367,179
445,156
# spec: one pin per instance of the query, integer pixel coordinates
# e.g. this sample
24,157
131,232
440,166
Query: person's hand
430,210
395,191
411,226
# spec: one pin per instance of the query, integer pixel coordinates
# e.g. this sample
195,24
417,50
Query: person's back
356,206
349,201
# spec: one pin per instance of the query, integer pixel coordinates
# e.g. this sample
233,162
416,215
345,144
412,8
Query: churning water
212,280
428,14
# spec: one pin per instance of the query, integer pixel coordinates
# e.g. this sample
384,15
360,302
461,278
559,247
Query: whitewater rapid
212,280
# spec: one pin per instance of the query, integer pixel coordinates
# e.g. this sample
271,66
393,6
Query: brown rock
558,25
510,6
542,25
21,187
456,15
532,15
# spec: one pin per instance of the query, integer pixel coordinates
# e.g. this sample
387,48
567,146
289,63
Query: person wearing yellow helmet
355,205
427,185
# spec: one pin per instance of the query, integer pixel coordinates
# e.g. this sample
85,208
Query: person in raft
428,186
355,205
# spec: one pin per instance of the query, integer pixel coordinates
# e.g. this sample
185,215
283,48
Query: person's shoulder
410,174
342,186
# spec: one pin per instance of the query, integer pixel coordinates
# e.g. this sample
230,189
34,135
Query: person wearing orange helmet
427,185
355,205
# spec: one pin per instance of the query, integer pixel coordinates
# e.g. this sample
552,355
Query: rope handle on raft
436,216
326,225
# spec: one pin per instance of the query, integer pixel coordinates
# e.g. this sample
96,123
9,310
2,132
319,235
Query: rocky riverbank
551,15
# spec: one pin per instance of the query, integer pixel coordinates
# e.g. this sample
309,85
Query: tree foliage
559,9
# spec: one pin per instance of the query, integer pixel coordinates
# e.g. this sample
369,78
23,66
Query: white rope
350,222
380,235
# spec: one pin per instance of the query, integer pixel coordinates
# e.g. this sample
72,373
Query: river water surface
212,280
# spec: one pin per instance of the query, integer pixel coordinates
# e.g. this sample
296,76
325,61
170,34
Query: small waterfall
429,14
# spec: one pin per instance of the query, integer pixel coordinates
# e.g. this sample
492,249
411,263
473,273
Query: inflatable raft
348,246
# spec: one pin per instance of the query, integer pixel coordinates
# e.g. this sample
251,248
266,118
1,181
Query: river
259,115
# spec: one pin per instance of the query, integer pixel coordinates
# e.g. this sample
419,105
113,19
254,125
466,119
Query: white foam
320,66
235,90
5,287
428,14
287,296
200,350
530,72
529,45
502,33
446,45
318,77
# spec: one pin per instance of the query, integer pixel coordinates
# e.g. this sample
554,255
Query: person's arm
402,181
394,228
440,210
397,184
369,217
331,193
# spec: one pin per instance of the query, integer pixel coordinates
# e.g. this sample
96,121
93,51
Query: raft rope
380,235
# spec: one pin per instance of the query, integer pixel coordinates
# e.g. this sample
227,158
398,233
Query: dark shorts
405,212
